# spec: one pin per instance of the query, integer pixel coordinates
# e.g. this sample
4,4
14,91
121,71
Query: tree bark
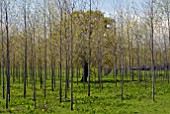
8,58
3,59
85,71
25,56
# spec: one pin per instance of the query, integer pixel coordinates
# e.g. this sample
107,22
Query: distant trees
164,12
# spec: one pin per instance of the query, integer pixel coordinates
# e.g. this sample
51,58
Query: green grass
137,99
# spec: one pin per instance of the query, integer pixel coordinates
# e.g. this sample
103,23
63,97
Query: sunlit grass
137,98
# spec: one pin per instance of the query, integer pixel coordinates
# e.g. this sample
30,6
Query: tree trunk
45,48
7,60
152,52
85,71
3,59
25,56
60,63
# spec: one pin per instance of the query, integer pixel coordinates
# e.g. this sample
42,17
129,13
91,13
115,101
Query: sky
107,6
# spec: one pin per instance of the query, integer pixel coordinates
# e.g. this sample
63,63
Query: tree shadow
107,81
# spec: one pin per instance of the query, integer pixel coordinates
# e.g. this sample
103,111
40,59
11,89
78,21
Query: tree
3,55
7,55
151,18
82,35
25,51
60,62
152,48
89,47
72,66
45,48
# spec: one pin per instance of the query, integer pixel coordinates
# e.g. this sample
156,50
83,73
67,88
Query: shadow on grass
108,81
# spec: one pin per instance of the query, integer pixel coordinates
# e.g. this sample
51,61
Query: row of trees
63,35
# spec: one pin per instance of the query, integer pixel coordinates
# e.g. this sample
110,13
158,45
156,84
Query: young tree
89,47
52,46
32,23
66,46
71,57
60,61
25,50
3,54
152,47
7,54
45,48
151,15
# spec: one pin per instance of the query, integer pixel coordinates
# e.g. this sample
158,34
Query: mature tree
82,30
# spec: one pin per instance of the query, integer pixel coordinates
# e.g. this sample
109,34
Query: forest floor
137,99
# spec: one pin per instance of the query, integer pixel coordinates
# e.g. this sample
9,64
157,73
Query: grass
137,99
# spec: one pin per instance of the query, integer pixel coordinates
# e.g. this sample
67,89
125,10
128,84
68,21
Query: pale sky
108,5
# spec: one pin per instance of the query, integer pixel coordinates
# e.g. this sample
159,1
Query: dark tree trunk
71,60
40,73
152,50
25,50
19,74
60,63
52,74
34,74
45,48
13,71
77,73
85,71
7,60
